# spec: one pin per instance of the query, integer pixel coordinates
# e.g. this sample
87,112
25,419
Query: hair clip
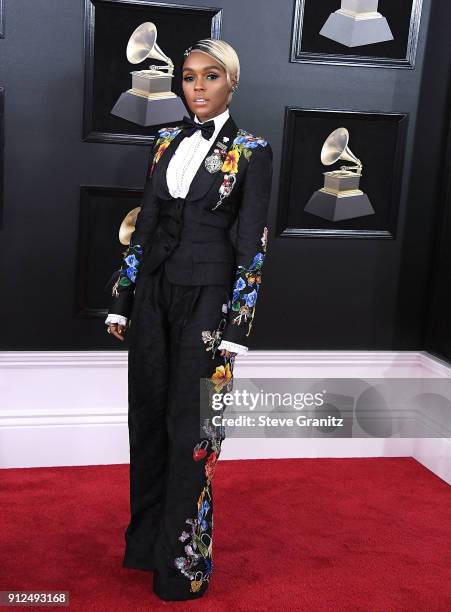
187,51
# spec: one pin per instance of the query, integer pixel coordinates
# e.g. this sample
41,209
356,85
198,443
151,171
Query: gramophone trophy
125,233
356,23
340,198
128,226
150,101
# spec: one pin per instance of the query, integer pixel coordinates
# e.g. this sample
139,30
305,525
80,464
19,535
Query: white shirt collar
219,120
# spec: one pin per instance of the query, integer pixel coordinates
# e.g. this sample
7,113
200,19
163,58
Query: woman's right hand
117,330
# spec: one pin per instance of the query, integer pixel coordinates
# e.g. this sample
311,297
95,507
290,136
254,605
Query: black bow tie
189,126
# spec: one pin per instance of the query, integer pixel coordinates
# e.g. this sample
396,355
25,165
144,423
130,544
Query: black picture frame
2,152
376,138
307,45
2,18
102,209
108,21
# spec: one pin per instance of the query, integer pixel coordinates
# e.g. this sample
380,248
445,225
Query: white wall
70,408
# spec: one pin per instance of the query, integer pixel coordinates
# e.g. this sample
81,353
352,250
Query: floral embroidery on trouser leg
212,339
197,564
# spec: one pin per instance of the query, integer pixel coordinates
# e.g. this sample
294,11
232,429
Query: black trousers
174,334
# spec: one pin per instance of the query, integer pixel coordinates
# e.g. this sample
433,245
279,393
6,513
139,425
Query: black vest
193,241
193,251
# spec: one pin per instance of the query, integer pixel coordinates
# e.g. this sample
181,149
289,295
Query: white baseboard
70,408
435,454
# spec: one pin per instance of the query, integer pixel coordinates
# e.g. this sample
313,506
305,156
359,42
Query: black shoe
176,589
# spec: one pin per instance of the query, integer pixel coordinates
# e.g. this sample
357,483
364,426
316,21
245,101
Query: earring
235,87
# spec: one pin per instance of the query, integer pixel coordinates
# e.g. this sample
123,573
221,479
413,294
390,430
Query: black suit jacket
191,236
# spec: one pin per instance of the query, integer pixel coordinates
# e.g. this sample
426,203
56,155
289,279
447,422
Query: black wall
317,293
437,329
423,319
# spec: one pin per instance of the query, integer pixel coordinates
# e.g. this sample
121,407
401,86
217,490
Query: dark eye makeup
210,74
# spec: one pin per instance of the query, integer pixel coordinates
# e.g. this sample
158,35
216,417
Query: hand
227,354
117,330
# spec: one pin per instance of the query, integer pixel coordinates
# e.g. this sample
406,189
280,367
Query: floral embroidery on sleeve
129,270
247,284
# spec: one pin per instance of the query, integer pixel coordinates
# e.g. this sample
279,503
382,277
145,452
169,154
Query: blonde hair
223,53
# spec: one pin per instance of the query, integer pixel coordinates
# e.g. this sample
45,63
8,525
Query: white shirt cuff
114,318
233,347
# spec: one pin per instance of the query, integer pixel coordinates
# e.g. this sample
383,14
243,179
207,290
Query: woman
190,294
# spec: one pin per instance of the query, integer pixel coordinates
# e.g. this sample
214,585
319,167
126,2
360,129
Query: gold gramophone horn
128,226
143,44
336,147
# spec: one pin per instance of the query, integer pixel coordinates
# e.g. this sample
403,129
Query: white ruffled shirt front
181,170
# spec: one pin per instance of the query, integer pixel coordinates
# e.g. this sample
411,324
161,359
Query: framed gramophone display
106,223
340,197
341,173
125,95
360,32
150,100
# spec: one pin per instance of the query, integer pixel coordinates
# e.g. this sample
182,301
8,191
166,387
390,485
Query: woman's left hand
226,353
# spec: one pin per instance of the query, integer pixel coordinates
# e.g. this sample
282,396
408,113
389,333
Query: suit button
167,247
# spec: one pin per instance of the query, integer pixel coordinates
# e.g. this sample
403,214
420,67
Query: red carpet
290,534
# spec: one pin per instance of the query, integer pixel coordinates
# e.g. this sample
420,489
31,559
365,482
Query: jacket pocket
213,251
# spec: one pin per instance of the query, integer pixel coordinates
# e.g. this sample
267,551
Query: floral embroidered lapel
203,181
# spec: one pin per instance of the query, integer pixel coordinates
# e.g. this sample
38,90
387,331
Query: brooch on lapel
213,162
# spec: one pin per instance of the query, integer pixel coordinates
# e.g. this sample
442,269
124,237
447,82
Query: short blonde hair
222,52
